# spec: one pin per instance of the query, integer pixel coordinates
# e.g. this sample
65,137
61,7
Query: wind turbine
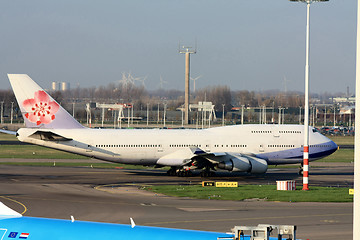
162,82
141,80
127,79
285,84
194,79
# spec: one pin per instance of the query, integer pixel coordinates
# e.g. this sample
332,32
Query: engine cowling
244,164
258,165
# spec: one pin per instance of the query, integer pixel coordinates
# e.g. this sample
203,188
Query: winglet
132,223
7,212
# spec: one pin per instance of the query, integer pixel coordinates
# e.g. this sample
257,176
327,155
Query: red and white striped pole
306,169
306,114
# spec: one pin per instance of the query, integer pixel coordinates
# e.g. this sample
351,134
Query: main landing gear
173,171
207,173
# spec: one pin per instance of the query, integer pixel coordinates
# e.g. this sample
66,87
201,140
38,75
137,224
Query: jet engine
244,164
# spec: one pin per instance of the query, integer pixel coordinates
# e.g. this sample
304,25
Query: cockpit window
314,130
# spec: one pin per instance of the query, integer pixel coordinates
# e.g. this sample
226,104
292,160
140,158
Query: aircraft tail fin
38,108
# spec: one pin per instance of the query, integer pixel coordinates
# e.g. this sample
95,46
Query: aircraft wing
194,157
183,157
7,132
180,157
49,136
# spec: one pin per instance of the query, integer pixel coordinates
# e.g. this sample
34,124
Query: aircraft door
160,148
276,133
89,146
261,148
207,146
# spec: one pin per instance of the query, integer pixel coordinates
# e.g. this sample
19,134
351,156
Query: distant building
344,100
347,110
65,86
55,86
60,86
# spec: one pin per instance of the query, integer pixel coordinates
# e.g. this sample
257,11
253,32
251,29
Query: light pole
12,113
260,115
264,114
73,109
306,110
128,115
242,114
187,51
147,114
223,115
165,115
2,112
279,121
132,113
356,203
182,118
283,115
158,113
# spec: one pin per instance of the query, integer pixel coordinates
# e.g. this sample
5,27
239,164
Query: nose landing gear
301,170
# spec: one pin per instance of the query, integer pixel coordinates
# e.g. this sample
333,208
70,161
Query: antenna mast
187,51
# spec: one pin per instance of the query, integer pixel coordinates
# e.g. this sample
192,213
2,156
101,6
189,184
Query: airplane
239,148
14,226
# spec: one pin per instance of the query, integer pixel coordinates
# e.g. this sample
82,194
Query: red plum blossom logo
40,109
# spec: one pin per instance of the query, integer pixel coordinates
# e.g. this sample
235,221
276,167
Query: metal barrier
264,232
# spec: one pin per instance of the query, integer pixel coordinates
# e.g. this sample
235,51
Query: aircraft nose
333,146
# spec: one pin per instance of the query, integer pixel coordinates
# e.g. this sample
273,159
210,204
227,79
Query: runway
111,195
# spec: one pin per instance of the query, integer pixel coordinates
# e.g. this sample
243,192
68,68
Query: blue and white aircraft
238,148
14,226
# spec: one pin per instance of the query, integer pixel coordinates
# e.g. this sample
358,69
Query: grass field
7,137
32,151
341,155
341,140
75,164
260,192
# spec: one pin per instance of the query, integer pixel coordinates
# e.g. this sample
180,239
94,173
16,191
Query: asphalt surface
112,195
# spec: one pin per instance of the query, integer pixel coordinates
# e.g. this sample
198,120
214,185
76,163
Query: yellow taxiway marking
119,185
25,208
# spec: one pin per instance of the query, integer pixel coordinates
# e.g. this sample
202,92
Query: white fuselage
277,144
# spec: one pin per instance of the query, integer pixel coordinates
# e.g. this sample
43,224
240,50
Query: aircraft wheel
301,170
171,172
207,174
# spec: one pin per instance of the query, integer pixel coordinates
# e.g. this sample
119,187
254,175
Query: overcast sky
245,44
